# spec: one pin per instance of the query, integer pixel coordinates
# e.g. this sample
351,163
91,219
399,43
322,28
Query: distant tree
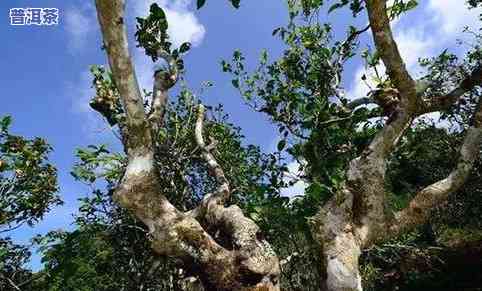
28,187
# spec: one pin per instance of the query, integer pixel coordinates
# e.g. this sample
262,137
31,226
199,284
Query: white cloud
79,25
358,87
452,15
184,26
414,44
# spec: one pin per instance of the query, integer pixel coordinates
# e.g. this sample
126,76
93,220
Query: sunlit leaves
96,162
107,99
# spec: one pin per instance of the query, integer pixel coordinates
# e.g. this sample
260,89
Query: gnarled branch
247,262
223,191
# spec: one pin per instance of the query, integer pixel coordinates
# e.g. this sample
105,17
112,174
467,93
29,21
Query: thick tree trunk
334,229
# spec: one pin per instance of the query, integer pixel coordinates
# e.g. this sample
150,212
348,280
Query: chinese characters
34,16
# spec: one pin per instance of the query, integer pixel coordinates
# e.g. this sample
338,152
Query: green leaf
157,12
200,3
226,66
411,4
326,52
185,47
180,65
281,145
236,3
5,122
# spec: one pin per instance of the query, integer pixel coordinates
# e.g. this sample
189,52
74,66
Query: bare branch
388,50
422,204
223,191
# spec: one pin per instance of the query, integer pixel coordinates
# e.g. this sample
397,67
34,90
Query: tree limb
388,50
163,81
359,102
223,192
444,102
247,262
421,205
111,19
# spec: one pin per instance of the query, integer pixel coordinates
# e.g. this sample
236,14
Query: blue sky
46,86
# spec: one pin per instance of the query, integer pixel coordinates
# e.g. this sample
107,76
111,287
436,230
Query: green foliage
297,93
107,100
110,249
356,6
152,35
97,162
28,187
401,6
13,259
474,3
28,182
428,162
99,257
440,255
152,32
